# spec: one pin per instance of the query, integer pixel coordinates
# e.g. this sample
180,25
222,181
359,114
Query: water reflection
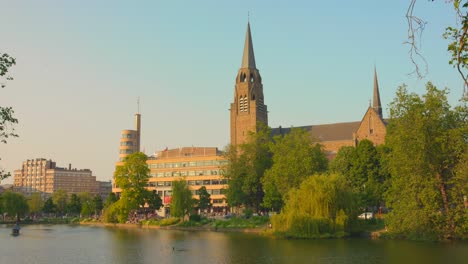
84,244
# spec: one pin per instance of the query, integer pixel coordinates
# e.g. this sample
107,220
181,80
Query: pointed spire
248,60
376,102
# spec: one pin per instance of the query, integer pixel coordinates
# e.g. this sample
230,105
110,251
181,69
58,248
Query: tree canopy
181,200
14,204
295,157
7,120
428,142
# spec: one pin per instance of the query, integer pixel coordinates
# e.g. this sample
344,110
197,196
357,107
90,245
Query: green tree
74,206
49,206
295,157
7,120
428,141
323,204
181,200
204,201
153,201
246,168
111,198
87,204
14,204
341,164
35,203
60,198
98,204
132,178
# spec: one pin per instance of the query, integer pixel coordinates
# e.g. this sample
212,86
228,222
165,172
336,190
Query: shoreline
257,230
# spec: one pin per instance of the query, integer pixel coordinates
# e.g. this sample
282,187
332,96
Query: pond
87,244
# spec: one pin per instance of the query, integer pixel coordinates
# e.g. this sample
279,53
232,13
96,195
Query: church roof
248,59
326,132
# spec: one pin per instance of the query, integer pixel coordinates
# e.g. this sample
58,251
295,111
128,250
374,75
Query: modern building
42,175
130,139
199,166
248,109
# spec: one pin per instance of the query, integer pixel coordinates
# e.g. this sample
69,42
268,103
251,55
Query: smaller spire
376,102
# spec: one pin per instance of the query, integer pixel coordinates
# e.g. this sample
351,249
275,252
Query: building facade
130,139
199,166
42,175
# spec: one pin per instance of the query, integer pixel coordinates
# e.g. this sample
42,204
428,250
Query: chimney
69,166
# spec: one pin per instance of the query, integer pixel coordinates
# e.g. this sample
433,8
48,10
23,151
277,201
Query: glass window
192,164
206,182
191,173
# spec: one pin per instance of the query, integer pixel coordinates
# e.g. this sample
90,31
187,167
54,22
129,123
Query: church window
251,78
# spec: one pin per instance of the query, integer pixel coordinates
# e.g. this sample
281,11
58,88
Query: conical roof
248,59
376,102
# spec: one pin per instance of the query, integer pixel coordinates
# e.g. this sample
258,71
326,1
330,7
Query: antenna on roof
138,104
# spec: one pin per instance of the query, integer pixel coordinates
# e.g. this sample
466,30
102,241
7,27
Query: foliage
204,201
14,204
239,222
35,203
132,178
428,142
74,206
195,218
295,157
181,201
49,206
7,120
111,198
246,168
153,201
162,222
97,204
322,205
60,198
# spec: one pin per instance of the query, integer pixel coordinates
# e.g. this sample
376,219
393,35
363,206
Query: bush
195,218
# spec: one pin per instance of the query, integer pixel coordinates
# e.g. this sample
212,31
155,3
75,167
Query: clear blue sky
82,64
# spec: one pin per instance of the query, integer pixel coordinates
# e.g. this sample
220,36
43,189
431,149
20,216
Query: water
87,244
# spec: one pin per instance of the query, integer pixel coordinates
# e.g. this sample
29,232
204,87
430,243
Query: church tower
248,107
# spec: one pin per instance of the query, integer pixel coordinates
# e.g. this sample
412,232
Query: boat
16,230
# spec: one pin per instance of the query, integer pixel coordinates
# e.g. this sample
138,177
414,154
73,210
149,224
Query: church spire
248,59
376,102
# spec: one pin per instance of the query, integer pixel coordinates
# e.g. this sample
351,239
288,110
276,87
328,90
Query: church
248,108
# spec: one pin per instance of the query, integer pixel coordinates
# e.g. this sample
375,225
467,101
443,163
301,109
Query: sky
81,65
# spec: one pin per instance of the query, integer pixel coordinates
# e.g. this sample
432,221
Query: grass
238,222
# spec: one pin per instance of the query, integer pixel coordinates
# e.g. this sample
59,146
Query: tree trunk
443,192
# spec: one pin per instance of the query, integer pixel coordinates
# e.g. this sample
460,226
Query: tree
341,164
49,206
181,201
295,157
7,120
35,203
87,204
132,178
97,204
457,35
204,201
14,204
246,168
60,198
111,198
428,141
323,204
153,201
74,206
